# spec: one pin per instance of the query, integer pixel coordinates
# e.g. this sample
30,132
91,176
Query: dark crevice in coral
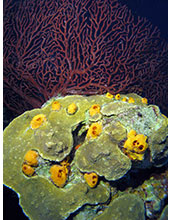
76,138
97,208
131,179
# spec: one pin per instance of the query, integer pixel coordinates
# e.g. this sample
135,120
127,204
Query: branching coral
71,47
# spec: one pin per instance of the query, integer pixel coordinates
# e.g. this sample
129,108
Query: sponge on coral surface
94,109
91,179
31,158
37,121
135,145
58,175
28,170
94,130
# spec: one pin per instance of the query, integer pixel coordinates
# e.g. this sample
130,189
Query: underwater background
156,11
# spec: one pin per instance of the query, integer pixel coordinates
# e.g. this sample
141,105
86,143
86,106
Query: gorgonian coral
79,47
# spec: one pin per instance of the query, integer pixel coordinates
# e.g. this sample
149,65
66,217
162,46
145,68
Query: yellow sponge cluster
94,130
58,175
135,146
30,161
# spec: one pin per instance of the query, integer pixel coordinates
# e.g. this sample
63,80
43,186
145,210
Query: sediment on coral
53,154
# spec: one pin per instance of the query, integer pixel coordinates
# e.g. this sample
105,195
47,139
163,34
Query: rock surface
128,207
62,140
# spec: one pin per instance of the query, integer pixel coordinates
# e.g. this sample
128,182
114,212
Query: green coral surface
57,138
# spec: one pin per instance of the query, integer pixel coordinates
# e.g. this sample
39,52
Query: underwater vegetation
72,47
71,158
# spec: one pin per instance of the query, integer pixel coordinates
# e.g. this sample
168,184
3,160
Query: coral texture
58,169
73,47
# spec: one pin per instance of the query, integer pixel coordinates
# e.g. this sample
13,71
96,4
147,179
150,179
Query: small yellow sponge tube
135,146
72,108
56,106
31,158
94,130
37,121
91,179
58,175
94,109
28,170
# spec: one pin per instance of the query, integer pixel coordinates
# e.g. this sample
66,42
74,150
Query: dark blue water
156,11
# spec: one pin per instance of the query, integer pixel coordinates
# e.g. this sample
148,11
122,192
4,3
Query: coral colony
69,156
73,47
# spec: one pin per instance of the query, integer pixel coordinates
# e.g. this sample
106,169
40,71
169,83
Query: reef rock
80,135
104,157
128,206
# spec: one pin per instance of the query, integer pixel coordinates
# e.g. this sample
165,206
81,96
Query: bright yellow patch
91,179
65,163
144,100
164,116
58,175
37,121
131,100
135,146
31,158
94,109
72,108
94,130
56,106
118,96
132,133
108,95
28,170
124,99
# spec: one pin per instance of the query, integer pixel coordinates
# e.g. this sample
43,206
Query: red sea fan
86,47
